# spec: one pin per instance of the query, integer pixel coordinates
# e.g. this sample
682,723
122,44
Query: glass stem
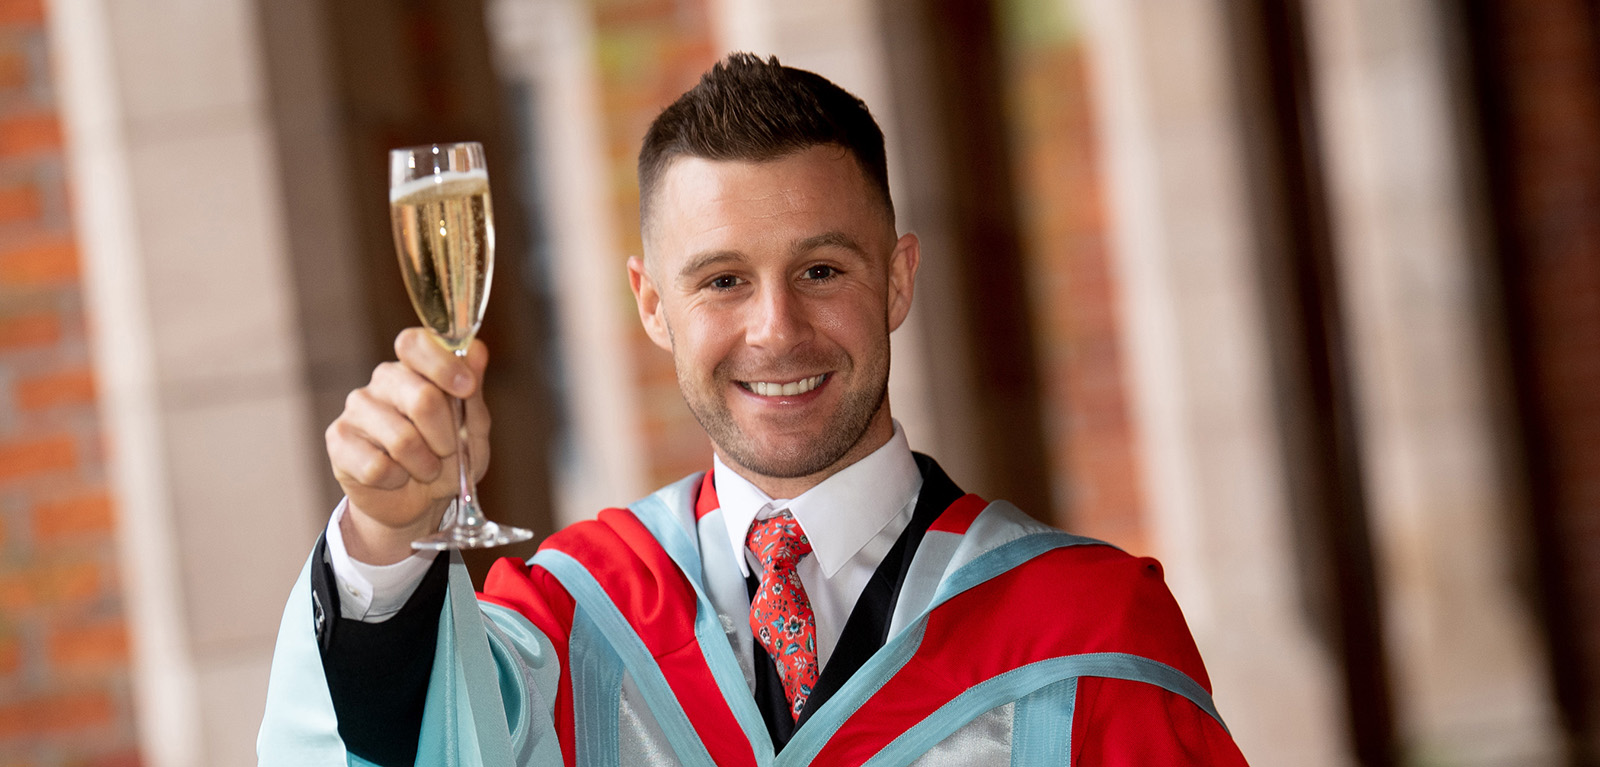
467,512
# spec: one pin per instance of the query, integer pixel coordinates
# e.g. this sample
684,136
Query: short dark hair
752,110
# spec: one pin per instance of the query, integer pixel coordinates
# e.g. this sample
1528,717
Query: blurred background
1300,296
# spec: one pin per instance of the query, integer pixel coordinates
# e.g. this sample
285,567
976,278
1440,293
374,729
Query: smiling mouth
790,389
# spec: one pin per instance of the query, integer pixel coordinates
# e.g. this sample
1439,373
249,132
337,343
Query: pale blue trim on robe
597,671
1021,683
506,657
636,658
1041,725
528,665
669,527
299,727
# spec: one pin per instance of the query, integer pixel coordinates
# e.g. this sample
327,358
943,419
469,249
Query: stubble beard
847,426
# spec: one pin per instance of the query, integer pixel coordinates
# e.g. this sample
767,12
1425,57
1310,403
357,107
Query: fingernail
462,384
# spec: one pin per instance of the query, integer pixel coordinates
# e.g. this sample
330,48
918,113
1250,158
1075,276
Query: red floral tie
780,614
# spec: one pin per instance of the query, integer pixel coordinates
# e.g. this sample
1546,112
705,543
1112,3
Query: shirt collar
840,515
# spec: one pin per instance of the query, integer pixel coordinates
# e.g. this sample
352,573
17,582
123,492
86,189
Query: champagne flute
444,234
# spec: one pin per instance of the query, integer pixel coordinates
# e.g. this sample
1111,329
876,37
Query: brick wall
65,694
1093,471
650,52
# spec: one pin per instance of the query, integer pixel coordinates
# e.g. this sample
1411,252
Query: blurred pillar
197,350
951,85
1469,678
547,47
646,54
1537,71
318,227
1061,212
1195,316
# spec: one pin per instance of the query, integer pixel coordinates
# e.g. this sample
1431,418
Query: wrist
372,542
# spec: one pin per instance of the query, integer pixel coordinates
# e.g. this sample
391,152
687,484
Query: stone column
1469,677
1194,310
549,46
197,350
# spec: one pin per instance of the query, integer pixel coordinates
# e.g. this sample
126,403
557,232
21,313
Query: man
821,596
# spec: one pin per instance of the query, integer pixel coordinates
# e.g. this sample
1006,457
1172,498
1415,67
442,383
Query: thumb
477,358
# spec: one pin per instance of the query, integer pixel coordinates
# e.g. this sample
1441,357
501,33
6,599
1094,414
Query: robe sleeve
444,682
1119,723
1124,722
378,672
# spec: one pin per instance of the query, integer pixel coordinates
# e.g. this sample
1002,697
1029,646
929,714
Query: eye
821,272
724,282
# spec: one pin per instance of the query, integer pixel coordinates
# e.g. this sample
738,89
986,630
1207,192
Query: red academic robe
1086,601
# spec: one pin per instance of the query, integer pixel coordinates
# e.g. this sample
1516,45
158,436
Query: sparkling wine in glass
444,234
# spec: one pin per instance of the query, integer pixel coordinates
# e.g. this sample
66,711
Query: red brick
129,758
21,12
44,262
55,714
29,134
34,457
10,656
40,329
18,202
13,69
72,387
89,647
73,516
50,584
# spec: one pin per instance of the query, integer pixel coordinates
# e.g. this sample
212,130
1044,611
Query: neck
878,433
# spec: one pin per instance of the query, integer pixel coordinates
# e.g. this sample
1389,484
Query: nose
778,320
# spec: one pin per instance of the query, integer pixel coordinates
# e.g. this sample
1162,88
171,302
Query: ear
903,265
651,313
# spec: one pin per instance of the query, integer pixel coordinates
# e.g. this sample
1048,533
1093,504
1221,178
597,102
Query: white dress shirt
852,519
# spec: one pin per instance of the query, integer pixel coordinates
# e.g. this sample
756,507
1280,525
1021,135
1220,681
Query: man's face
775,285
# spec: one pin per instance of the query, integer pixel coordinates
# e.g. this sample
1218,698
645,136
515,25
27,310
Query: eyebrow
709,258
834,239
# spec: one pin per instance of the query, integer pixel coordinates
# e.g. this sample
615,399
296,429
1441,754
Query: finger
480,460
477,357
357,460
419,401
393,433
419,351
478,424
478,420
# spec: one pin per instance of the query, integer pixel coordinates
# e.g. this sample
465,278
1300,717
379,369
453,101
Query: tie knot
778,542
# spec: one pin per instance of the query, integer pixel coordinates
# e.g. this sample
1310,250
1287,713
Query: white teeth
766,389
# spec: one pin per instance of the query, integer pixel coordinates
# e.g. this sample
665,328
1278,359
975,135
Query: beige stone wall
1193,307
197,351
1470,678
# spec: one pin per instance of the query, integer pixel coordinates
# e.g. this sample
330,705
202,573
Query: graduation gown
985,638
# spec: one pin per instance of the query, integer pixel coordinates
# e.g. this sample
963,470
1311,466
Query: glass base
485,536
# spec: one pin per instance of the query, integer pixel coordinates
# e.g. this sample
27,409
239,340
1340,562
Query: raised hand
393,448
